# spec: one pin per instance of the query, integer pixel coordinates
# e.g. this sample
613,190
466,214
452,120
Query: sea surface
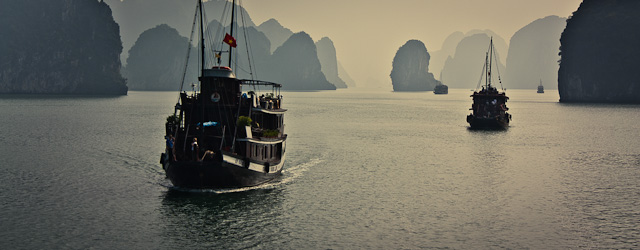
366,169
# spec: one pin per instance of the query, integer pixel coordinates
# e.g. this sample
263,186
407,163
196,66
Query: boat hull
219,174
441,90
487,123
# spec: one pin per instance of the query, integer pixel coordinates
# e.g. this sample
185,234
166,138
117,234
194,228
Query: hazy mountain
136,16
246,37
448,50
295,64
59,47
599,53
464,69
329,62
344,75
260,49
156,60
411,68
438,58
533,54
276,33
499,44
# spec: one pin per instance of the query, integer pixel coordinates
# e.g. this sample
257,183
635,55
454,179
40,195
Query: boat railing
260,83
269,103
272,100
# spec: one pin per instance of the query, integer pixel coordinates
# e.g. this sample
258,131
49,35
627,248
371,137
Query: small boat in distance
540,88
219,136
489,110
441,89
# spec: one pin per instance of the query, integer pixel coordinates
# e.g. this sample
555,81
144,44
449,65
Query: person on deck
170,148
195,149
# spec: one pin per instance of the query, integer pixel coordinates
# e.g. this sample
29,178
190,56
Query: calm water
366,170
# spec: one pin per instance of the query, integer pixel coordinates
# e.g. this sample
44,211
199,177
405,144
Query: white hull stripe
254,166
270,142
271,111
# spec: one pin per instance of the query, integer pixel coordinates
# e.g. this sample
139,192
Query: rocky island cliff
329,62
59,47
157,61
410,70
296,66
533,54
465,67
599,53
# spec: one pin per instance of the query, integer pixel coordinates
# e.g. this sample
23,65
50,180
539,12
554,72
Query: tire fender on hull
246,163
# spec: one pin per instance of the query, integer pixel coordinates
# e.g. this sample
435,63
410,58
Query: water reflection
221,220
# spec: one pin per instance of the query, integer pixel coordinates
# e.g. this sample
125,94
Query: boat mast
202,67
233,12
235,132
490,63
487,71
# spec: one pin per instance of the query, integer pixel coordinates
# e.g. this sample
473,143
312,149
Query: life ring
266,167
215,97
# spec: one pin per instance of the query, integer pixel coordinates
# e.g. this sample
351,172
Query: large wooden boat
222,137
489,110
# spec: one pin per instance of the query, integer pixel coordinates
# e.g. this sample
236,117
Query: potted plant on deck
245,122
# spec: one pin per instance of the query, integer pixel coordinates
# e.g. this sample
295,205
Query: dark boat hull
487,123
216,175
441,90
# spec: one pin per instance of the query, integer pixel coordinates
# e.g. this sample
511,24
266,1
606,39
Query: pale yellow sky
367,33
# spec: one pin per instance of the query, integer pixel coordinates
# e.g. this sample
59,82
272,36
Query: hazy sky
367,33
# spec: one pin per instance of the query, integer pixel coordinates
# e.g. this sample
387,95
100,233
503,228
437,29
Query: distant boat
540,88
489,105
441,89
220,137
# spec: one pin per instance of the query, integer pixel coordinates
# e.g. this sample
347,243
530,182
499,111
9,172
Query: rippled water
365,169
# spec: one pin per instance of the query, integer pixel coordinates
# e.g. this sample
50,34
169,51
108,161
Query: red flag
228,39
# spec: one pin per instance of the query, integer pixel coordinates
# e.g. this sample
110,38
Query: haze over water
367,34
365,169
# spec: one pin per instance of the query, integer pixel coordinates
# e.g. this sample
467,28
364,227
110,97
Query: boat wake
289,174
295,172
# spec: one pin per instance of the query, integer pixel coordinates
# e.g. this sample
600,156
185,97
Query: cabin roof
219,71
